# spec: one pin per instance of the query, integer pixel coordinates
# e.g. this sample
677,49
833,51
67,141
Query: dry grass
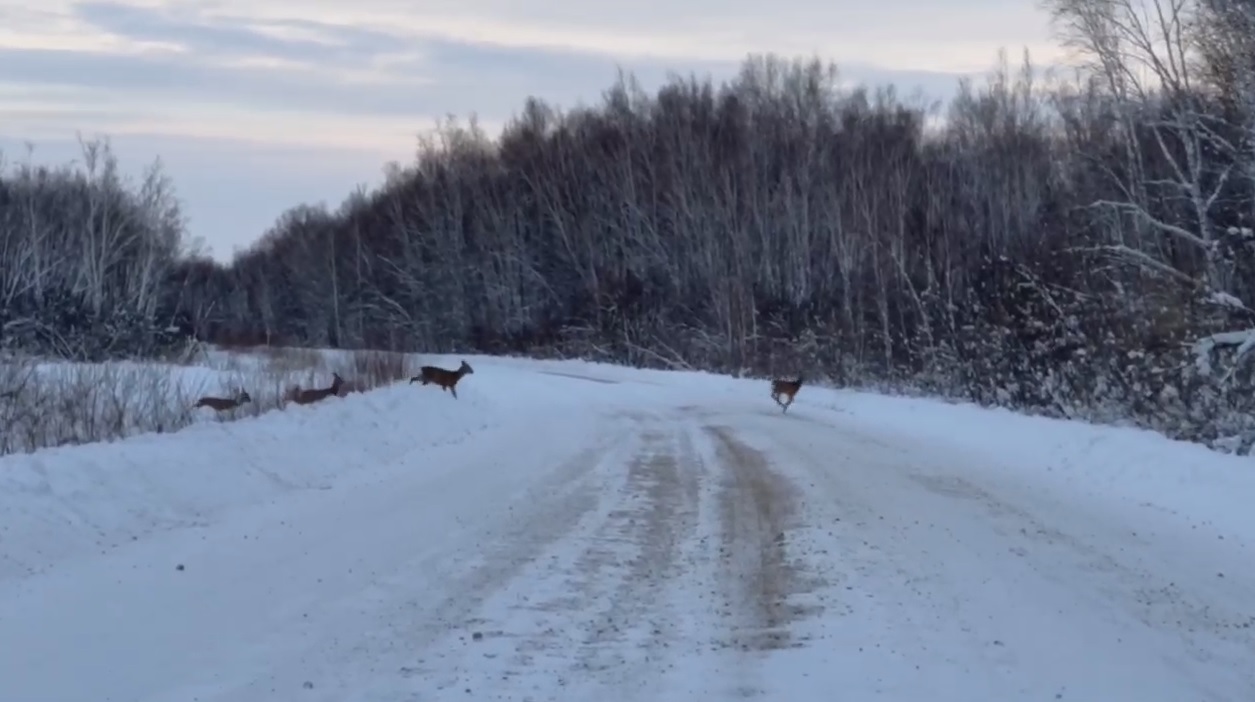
83,403
60,404
371,369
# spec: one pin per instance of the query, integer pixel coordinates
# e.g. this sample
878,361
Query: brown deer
785,388
446,379
307,397
222,404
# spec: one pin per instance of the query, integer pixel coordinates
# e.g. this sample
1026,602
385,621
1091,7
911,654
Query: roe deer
305,397
446,379
221,404
785,388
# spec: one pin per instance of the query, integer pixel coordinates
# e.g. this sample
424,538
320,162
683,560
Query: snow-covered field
574,531
47,404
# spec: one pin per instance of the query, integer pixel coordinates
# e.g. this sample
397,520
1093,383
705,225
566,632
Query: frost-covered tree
85,257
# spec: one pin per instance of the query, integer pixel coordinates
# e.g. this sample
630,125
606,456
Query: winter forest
1078,245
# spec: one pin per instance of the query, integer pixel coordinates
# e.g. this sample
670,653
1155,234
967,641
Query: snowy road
641,542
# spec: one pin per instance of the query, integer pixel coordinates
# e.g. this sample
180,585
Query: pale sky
257,105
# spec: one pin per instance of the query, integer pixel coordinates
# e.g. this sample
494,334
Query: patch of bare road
757,507
678,581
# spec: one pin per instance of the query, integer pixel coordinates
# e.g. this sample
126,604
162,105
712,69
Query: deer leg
453,389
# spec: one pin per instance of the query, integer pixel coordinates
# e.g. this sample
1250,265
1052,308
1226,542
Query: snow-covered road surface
551,537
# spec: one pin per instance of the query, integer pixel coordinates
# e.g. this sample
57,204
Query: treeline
90,263
1081,247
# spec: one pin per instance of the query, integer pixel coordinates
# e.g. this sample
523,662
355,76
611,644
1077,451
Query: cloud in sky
284,101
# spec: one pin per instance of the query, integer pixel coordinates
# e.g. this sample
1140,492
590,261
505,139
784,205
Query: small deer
307,397
446,379
787,389
222,404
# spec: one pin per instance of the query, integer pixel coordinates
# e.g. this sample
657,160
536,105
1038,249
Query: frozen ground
570,531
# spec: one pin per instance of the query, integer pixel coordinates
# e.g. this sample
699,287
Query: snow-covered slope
576,531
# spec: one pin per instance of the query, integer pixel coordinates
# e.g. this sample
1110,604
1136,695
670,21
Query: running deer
222,404
306,397
785,388
446,379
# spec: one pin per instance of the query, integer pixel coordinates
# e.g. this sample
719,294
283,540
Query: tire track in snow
757,506
760,576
